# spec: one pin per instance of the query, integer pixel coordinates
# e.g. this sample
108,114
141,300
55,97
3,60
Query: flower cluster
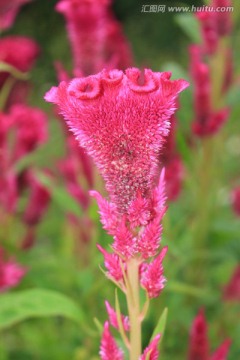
22,130
122,120
236,200
96,37
232,289
210,115
199,346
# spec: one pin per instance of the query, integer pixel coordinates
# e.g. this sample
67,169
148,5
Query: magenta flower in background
236,200
207,121
30,127
11,273
38,201
18,51
121,119
199,344
96,38
172,162
8,12
215,24
27,126
199,347
232,289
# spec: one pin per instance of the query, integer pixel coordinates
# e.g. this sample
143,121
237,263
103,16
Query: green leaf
22,305
161,325
190,26
61,197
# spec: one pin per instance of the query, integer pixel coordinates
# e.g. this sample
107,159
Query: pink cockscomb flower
215,24
109,349
236,200
152,352
199,344
113,318
199,347
152,279
121,119
86,21
19,51
222,352
8,12
38,201
30,127
11,273
172,162
207,121
96,37
232,289
112,263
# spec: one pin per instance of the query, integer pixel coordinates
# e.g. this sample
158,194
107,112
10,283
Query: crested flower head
109,349
122,120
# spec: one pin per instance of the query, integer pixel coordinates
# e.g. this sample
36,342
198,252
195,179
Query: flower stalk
133,301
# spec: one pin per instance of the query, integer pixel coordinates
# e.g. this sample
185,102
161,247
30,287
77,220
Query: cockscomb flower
86,21
172,162
30,127
19,51
207,121
215,24
96,37
152,279
232,289
121,119
112,263
113,318
8,12
152,352
38,201
236,200
11,273
199,345
109,349
222,352
140,231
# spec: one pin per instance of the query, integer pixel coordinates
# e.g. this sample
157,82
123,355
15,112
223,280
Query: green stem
133,301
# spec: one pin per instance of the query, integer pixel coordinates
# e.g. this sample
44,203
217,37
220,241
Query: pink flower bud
152,352
109,349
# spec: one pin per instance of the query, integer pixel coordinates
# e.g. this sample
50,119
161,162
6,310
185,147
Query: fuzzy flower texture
122,120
